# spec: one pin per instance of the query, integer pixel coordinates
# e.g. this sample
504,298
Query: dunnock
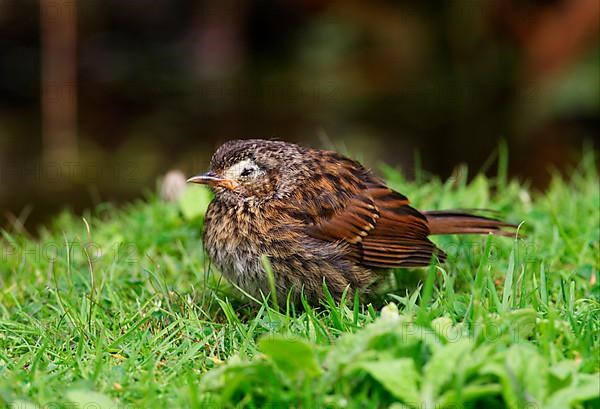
318,217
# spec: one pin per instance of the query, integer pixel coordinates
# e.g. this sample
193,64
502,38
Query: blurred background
99,98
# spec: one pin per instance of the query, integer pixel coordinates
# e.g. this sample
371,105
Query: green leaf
561,374
522,323
585,387
446,363
523,374
446,330
86,398
194,201
256,378
292,356
528,371
398,376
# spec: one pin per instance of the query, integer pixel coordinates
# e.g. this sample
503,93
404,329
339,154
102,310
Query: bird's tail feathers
465,222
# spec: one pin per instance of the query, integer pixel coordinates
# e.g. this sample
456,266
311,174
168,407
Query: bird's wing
399,238
354,207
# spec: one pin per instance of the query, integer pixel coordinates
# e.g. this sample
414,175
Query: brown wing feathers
378,223
400,237
382,228
352,224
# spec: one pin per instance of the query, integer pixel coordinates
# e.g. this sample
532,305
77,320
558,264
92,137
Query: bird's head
253,169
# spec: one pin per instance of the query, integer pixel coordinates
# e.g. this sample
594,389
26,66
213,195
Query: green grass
122,309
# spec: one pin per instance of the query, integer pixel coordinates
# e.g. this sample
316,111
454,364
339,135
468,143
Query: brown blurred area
98,98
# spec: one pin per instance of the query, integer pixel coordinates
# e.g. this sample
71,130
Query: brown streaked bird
318,216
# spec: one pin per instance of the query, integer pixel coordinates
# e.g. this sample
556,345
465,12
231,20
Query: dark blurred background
99,98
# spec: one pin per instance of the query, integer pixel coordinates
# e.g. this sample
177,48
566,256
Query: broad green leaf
584,388
194,201
86,398
523,374
241,377
528,370
397,337
446,363
445,328
522,323
561,374
398,376
292,356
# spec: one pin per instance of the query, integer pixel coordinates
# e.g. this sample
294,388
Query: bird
321,219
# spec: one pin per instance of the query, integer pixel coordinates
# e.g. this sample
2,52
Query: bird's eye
246,172
244,169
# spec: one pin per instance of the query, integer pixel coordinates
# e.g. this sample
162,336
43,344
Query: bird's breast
234,240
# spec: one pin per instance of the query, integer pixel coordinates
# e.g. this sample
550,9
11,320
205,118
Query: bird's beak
210,178
207,178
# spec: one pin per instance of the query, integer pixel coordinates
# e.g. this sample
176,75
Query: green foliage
122,308
397,360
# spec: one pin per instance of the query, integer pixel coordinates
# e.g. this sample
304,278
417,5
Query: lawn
119,308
